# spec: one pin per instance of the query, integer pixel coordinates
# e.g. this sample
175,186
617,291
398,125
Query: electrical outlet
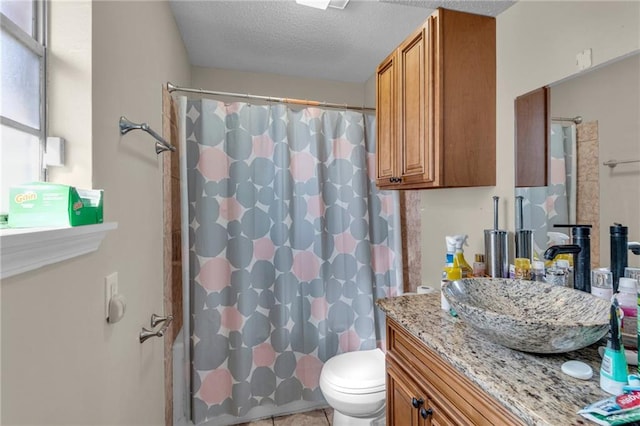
583,59
110,290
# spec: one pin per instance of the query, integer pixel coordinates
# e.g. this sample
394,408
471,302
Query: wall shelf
23,250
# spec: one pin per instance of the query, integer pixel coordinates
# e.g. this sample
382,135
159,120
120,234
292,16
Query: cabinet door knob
424,413
417,402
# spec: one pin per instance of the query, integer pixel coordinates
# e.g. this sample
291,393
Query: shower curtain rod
575,120
172,88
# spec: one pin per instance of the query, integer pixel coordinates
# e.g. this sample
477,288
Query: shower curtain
555,203
289,246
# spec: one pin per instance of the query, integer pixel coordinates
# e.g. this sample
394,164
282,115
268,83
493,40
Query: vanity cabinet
436,105
423,389
408,401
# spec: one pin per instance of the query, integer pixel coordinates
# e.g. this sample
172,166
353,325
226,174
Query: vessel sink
529,316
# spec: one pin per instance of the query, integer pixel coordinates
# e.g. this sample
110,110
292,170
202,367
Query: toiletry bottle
479,269
613,370
523,268
458,257
628,299
602,283
451,250
537,271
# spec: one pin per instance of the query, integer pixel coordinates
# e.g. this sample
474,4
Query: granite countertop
531,386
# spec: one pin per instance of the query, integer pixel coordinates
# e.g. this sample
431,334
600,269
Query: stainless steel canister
496,249
524,243
523,237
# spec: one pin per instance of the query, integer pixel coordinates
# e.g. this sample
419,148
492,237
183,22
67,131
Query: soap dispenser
619,259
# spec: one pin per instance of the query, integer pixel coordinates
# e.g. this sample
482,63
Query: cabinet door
400,394
438,417
386,121
413,97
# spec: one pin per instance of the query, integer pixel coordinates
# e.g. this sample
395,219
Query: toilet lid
356,372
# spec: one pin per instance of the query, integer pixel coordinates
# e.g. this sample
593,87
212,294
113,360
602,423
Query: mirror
580,188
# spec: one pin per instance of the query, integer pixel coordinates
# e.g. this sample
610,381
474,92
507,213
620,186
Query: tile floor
310,418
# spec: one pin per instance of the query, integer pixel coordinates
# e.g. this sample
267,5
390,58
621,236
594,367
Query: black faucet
581,251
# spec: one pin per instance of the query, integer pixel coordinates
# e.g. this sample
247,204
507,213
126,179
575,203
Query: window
22,104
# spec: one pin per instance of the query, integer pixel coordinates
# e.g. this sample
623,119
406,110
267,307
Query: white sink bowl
529,316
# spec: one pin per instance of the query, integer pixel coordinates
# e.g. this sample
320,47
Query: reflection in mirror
555,203
608,99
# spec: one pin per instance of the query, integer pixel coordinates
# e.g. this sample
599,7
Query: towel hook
161,145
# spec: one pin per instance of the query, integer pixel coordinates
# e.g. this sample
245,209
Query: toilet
353,384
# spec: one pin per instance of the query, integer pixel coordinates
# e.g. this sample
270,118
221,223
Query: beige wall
61,363
537,43
69,89
278,86
611,96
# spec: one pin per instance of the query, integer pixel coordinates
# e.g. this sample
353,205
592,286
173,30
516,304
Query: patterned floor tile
263,422
311,418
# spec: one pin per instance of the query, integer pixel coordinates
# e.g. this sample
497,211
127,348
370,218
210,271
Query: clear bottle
602,283
555,276
537,271
565,265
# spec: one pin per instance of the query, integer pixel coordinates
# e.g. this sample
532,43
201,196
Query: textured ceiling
285,38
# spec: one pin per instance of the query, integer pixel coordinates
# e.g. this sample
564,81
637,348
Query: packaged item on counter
628,298
616,410
479,269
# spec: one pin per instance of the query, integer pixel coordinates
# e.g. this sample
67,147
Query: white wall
537,43
610,95
61,363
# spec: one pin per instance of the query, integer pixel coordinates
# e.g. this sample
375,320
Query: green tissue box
42,204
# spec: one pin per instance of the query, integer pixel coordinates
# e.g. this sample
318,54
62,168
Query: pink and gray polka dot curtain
290,244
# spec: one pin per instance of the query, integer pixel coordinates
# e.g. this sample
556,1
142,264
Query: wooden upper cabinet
443,91
416,159
386,119
532,123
